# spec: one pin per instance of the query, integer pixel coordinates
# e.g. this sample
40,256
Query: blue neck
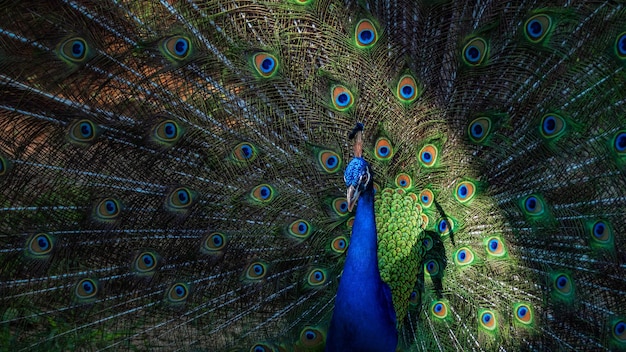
364,318
362,259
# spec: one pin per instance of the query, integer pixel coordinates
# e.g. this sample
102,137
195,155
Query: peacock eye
365,179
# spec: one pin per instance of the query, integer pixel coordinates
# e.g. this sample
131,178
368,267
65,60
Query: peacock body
171,175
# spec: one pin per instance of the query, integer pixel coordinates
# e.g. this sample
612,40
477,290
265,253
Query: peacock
312,175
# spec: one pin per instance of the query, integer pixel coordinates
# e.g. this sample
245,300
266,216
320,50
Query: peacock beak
352,197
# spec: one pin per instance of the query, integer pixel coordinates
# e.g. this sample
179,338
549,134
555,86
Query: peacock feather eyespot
73,50
340,206
431,267
86,289
495,246
427,242
350,223
487,319
601,233
619,143
329,161
265,64
552,125
428,155
465,191
619,330
523,313
404,181
464,256
263,193
407,90
312,337
415,298
214,242
537,28
108,209
176,48
317,277
427,198
365,34
83,131
479,129
425,220
339,244
439,309
180,198
533,206
444,226
244,152
167,132
383,149
256,271
261,347
563,285
475,51
300,229
145,262
620,46
177,293
342,97
40,245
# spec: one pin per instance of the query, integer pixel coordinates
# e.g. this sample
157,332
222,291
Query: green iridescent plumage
400,251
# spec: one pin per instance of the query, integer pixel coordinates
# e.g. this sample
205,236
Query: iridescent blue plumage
364,318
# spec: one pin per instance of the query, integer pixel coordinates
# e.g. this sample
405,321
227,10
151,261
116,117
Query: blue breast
364,318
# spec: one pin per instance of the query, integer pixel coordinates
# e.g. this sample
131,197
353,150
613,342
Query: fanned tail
170,171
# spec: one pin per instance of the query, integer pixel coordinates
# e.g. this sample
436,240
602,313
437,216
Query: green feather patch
400,250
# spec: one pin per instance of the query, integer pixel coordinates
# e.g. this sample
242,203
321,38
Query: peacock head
358,177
